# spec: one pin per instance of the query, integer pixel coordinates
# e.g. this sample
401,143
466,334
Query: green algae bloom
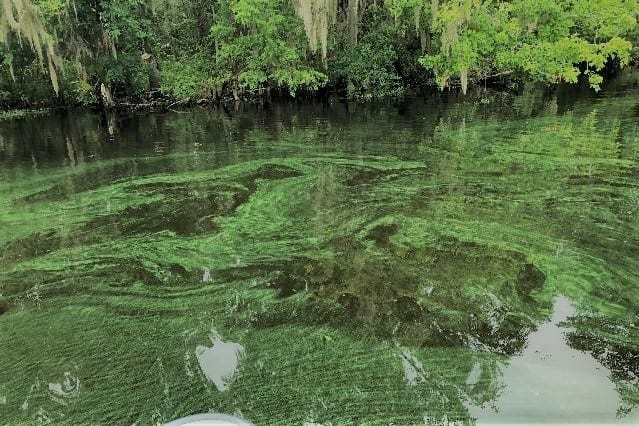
331,264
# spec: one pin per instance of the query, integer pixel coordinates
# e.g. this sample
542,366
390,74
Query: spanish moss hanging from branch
317,16
21,18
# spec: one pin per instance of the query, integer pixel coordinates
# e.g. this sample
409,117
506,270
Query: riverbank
156,100
14,114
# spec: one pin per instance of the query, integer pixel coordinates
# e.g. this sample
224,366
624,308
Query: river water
434,261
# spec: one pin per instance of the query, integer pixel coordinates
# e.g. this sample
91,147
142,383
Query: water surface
430,261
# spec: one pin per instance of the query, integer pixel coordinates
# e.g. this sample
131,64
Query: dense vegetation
79,51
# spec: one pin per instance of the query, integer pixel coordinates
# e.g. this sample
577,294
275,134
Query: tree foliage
541,40
370,48
21,19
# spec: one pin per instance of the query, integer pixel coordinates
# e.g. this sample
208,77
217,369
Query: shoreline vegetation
166,53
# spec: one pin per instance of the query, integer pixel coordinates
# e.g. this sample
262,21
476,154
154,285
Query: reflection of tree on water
607,341
551,381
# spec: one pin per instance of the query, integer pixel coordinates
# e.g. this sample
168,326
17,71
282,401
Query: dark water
432,261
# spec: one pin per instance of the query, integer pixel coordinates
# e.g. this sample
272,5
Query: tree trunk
463,76
352,18
424,40
107,99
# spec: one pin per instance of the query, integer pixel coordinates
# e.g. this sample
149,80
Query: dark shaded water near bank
422,262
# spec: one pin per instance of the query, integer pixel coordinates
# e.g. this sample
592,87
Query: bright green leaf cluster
539,40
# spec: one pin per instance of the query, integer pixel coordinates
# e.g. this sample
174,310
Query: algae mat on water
319,265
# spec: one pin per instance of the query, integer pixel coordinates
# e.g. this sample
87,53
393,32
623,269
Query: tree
268,30
539,40
371,48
